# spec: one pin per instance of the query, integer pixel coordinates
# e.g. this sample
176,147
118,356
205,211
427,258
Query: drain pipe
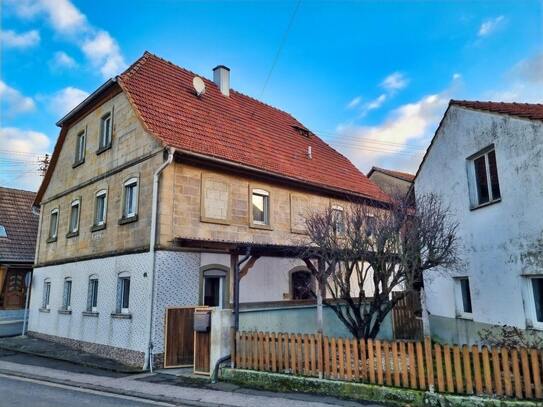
152,241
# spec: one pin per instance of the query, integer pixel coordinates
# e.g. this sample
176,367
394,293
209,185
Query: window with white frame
463,297
105,131
46,294
100,208
484,183
80,147
67,294
260,200
130,204
74,217
123,294
92,298
533,297
53,224
338,218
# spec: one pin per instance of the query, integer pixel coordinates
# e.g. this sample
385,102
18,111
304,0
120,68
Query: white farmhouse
486,162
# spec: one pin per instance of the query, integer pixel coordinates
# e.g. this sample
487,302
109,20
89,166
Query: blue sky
372,78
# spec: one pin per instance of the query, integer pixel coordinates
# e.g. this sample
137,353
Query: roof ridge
18,190
460,101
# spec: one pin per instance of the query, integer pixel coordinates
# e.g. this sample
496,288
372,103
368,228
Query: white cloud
354,102
387,144
489,26
12,39
61,60
394,82
103,51
98,45
13,102
29,144
377,102
66,99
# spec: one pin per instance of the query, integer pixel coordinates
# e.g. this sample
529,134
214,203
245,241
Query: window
485,186
67,295
3,232
105,131
130,205
301,284
74,217
80,148
213,288
100,208
463,298
260,207
371,225
92,298
123,294
534,302
338,219
53,224
46,294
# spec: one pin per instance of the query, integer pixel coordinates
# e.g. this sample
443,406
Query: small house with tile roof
486,163
156,193
18,231
394,183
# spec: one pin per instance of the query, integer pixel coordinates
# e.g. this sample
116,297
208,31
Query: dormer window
80,144
105,132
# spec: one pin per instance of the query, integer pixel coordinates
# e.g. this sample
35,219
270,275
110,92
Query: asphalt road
15,392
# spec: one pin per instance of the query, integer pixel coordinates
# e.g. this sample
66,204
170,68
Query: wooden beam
247,266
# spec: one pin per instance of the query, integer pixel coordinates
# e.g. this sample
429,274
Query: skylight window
3,232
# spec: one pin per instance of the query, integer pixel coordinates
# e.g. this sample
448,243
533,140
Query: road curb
112,390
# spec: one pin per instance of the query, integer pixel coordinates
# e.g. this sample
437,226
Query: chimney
221,77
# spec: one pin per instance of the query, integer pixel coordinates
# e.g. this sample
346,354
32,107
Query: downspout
152,241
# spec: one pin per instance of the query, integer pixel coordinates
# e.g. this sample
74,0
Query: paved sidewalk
52,350
134,386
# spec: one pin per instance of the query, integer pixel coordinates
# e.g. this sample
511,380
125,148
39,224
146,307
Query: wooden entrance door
406,318
202,348
179,337
14,291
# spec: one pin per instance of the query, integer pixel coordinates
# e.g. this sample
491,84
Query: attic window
3,232
302,130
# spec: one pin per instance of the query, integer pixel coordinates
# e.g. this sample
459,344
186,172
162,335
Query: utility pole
44,164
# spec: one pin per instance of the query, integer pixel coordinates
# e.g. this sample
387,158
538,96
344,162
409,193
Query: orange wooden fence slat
348,360
371,364
356,360
477,370
404,367
326,357
536,373
320,364
363,359
306,352
333,356
429,362
387,368
498,388
412,363
420,365
340,354
439,368
466,355
448,369
486,371
458,370
379,360
526,377
299,354
506,372
516,374
395,364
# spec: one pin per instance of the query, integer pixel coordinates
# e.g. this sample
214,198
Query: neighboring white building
486,163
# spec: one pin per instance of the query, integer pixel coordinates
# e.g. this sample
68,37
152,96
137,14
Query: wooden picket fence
415,365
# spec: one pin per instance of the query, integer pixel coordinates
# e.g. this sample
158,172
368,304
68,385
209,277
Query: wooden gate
178,337
406,317
202,342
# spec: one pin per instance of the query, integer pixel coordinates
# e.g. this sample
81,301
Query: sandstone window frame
266,194
100,221
123,295
203,215
293,225
80,147
66,296
54,216
74,222
92,294
46,295
129,213
298,270
105,136
339,217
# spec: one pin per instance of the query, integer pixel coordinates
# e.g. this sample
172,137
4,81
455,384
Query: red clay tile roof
526,110
237,128
20,223
405,176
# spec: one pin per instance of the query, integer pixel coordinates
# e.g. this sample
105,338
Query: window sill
72,234
216,221
65,311
259,226
46,310
124,221
90,314
78,163
495,201
120,315
102,149
465,317
51,240
96,228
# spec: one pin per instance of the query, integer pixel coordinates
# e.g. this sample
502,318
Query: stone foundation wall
125,356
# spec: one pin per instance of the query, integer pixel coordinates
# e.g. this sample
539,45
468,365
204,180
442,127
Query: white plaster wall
176,285
494,238
105,330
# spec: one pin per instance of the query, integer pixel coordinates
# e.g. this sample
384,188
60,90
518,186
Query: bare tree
360,255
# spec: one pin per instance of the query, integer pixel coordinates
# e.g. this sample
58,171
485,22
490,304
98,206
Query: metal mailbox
202,320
